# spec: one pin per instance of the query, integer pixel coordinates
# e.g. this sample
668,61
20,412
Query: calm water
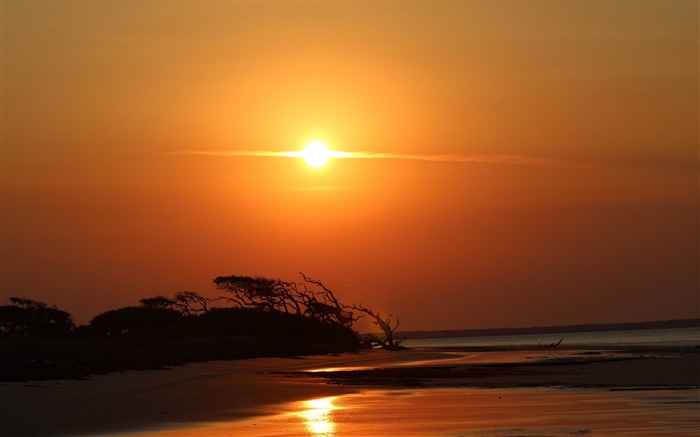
637,337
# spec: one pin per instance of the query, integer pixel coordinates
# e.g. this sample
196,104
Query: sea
688,337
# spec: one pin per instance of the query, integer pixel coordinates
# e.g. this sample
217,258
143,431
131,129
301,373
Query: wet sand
412,393
473,412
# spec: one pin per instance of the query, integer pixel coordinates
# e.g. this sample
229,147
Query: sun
316,154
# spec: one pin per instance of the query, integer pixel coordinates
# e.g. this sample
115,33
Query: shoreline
556,329
238,392
602,368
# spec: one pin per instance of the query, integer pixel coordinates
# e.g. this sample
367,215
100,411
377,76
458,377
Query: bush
29,318
137,320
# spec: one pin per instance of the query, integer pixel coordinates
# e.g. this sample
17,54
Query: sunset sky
516,163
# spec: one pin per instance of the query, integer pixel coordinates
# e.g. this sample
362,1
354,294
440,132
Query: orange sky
584,210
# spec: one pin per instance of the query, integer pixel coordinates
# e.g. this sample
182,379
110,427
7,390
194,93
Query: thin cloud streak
259,153
476,159
234,153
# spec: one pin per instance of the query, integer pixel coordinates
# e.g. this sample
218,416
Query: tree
26,317
266,294
344,315
186,302
330,309
158,302
136,320
191,302
310,298
14,321
386,325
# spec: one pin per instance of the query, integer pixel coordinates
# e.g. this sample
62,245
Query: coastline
557,329
143,400
649,368
233,393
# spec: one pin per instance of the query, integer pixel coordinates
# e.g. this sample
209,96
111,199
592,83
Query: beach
520,391
359,218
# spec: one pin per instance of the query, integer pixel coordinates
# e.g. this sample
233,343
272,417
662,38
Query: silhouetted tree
260,293
386,325
26,317
328,308
186,302
131,320
14,321
191,302
331,309
310,298
158,302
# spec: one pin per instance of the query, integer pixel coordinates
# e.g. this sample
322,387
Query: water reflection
318,417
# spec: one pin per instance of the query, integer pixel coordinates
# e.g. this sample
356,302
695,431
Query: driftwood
387,326
550,344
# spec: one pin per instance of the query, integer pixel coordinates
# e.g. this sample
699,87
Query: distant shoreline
451,333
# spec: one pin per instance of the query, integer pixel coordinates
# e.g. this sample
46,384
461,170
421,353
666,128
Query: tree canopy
30,318
159,315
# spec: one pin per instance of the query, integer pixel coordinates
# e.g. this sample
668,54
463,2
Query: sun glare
318,416
316,154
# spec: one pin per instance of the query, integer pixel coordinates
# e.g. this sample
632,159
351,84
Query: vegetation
25,317
253,317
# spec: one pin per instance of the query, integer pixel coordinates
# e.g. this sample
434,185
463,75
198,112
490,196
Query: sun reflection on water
318,417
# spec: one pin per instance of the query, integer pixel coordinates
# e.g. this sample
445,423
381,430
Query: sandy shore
194,393
530,392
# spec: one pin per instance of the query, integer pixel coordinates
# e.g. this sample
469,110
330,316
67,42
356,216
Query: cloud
233,153
476,159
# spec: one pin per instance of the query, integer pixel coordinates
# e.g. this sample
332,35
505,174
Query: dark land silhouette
253,317
659,324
